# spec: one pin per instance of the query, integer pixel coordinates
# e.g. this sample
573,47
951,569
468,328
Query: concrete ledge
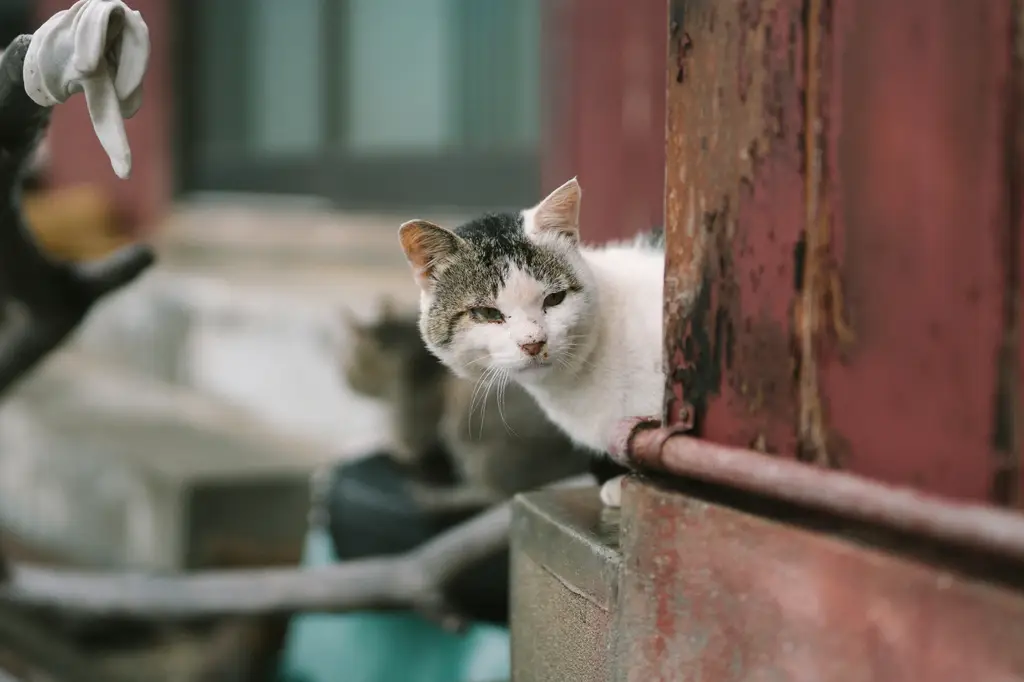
565,567
265,343
101,467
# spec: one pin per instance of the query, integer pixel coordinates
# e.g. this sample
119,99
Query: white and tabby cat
517,295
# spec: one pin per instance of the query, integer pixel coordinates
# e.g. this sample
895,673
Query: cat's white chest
626,378
590,413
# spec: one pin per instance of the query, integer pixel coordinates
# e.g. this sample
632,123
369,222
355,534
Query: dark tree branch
51,297
411,580
41,302
414,580
46,651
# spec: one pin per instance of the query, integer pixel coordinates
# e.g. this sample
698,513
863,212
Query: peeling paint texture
711,593
843,209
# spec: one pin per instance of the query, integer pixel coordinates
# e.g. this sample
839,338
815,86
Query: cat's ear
559,212
427,246
350,322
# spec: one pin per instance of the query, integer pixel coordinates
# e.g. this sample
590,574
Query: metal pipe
848,495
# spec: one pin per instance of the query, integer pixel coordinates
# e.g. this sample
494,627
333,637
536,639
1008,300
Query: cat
496,435
518,296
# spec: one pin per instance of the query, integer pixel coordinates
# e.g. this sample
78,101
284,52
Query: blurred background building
279,146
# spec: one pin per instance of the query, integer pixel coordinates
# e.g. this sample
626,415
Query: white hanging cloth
100,47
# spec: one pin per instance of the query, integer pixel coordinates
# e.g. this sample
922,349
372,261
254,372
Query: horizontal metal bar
850,496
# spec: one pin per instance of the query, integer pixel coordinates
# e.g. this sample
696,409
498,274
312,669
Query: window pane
284,93
398,93
219,71
497,58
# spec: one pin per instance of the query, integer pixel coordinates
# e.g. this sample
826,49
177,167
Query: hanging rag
100,47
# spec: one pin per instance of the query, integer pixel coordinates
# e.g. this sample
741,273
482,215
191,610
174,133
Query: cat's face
367,366
507,292
387,356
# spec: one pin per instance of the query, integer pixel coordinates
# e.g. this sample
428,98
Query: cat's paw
611,492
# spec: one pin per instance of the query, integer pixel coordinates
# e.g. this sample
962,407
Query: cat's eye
485,314
551,300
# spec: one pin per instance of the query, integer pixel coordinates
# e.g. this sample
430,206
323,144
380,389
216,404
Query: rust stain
818,315
811,444
733,210
727,596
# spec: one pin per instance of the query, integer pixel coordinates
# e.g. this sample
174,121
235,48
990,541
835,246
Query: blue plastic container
387,647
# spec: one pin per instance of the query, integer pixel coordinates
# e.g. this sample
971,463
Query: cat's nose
532,348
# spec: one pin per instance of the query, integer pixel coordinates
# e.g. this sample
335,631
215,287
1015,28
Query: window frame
492,178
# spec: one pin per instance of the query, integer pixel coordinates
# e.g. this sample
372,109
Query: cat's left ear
427,246
559,212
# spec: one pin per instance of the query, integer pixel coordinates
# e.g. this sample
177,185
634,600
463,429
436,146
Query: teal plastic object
386,647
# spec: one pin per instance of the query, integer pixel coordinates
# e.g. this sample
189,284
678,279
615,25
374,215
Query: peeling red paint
734,204
916,142
843,188
854,314
740,598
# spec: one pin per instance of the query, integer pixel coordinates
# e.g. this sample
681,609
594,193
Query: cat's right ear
427,246
559,212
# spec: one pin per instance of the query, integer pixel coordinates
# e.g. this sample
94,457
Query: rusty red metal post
843,211
841,179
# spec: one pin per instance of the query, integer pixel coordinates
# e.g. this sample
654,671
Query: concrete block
102,467
565,567
258,344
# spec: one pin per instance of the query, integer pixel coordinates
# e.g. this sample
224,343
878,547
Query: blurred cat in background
495,437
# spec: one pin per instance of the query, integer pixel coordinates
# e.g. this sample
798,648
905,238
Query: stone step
265,341
99,466
565,564
275,231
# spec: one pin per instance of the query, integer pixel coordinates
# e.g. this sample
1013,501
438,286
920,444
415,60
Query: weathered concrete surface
564,580
245,306
103,467
257,342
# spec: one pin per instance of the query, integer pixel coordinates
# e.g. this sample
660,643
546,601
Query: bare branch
414,580
45,650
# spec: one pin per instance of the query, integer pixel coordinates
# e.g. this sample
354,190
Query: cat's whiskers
495,374
479,394
506,377
570,360
482,358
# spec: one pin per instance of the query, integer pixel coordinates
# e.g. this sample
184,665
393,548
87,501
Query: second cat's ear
388,309
427,246
559,212
350,322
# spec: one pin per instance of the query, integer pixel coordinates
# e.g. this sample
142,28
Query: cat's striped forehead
499,248
499,245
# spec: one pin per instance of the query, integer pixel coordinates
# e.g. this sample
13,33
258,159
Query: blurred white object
100,47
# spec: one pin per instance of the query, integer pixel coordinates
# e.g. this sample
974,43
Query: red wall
605,63
76,155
